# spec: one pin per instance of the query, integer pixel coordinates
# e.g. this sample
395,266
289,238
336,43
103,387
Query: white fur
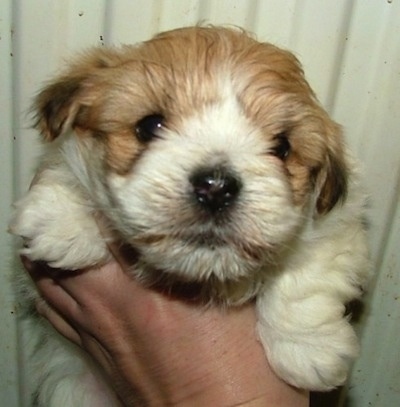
148,202
301,295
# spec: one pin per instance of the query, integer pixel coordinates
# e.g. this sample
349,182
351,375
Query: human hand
160,350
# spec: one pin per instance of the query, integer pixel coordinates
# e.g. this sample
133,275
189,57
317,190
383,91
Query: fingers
55,295
80,296
46,283
68,290
58,322
76,299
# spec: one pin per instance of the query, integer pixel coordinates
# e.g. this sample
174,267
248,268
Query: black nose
215,189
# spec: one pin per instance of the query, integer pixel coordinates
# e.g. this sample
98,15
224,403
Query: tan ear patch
57,105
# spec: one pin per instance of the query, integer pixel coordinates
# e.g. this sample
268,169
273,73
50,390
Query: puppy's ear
57,106
331,180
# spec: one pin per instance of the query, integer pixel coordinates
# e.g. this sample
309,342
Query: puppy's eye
282,147
149,127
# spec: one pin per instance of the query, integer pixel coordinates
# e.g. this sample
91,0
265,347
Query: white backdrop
351,54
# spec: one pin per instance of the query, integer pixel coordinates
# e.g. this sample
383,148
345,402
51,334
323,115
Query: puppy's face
207,149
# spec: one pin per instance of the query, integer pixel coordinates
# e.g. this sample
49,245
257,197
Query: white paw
58,228
316,360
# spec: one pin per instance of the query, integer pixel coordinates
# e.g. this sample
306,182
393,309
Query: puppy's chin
206,257
216,275
199,263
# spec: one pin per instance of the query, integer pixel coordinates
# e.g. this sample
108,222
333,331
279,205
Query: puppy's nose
215,189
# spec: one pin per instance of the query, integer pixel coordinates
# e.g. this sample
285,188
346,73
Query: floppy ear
333,185
57,106
331,180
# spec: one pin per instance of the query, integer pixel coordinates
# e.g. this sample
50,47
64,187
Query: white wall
351,54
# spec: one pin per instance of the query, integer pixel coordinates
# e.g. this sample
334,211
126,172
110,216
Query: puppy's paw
58,228
317,360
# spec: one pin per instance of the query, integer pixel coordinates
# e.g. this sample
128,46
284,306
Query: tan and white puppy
210,155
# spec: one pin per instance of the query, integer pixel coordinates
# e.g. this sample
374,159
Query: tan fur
181,70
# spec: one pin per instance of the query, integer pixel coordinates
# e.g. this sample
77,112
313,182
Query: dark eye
282,147
149,127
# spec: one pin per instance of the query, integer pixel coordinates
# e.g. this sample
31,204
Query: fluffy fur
209,154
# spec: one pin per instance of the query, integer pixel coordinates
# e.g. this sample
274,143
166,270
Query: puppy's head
207,149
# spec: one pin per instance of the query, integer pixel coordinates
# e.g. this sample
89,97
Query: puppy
209,154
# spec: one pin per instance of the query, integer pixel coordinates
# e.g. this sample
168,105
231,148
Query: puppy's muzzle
216,188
